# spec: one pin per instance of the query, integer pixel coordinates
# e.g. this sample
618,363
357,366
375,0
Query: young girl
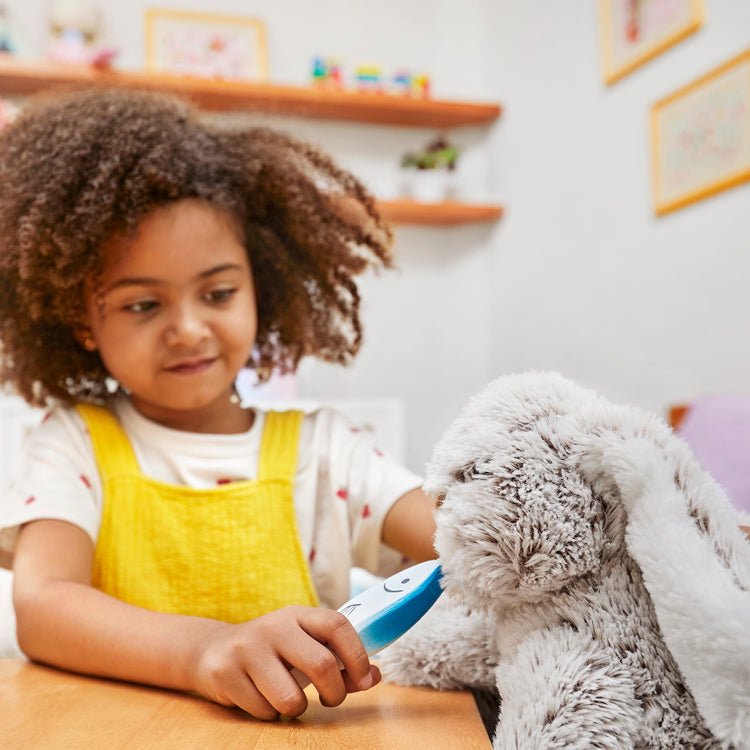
161,532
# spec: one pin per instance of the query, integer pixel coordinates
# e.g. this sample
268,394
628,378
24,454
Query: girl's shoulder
346,443
60,425
328,429
326,435
54,477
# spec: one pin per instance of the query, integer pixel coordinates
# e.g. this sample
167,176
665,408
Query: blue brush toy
386,610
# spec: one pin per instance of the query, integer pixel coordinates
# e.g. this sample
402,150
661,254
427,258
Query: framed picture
700,136
634,31
205,45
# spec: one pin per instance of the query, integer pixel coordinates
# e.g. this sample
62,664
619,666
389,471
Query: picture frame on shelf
205,45
700,136
632,32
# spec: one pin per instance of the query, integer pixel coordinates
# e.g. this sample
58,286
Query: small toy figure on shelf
402,82
407,84
431,171
75,28
326,74
369,79
421,86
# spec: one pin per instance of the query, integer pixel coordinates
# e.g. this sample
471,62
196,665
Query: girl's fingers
242,692
280,689
318,663
338,634
253,668
352,688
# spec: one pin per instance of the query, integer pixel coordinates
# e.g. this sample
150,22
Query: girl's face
173,315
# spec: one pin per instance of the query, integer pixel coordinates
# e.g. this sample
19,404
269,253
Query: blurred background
578,275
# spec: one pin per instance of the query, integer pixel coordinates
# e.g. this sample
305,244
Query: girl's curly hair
78,169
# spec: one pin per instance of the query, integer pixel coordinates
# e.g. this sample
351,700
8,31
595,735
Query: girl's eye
141,307
220,295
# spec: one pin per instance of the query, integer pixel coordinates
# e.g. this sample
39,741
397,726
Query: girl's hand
247,665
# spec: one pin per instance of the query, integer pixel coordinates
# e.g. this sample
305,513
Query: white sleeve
372,482
57,478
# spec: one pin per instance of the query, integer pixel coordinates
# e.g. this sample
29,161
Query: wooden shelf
24,78
448,213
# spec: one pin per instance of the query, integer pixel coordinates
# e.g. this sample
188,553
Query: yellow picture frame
632,32
700,136
205,45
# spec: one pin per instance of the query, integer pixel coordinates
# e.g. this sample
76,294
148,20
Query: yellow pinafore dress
230,553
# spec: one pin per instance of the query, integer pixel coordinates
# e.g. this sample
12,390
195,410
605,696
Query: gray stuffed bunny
595,575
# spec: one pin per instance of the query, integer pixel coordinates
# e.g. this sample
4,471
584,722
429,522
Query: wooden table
43,708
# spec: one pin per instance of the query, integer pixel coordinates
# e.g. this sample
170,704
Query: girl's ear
85,338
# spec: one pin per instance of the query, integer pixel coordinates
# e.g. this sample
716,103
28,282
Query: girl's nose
186,326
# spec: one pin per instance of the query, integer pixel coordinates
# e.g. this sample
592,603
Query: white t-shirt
343,489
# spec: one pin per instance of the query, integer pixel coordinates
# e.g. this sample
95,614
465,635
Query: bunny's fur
596,576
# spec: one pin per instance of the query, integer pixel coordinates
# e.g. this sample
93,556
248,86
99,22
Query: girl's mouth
190,367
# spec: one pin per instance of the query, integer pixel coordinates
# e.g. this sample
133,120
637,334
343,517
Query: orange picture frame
700,136
205,45
632,32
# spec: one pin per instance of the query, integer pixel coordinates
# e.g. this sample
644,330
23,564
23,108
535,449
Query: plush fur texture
596,576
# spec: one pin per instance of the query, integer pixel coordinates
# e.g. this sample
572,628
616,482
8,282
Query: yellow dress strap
278,447
112,449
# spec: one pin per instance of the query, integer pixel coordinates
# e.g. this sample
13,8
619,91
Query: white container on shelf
430,185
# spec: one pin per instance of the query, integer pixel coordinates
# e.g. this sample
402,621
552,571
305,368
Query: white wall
579,276
586,279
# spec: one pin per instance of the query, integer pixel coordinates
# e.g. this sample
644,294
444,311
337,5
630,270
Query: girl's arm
62,620
409,526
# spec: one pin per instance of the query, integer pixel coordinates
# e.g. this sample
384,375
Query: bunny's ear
519,525
683,534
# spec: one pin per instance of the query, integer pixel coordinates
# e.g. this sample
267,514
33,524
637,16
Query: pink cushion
717,428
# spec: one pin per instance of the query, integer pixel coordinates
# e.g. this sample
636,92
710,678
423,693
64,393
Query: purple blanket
717,428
